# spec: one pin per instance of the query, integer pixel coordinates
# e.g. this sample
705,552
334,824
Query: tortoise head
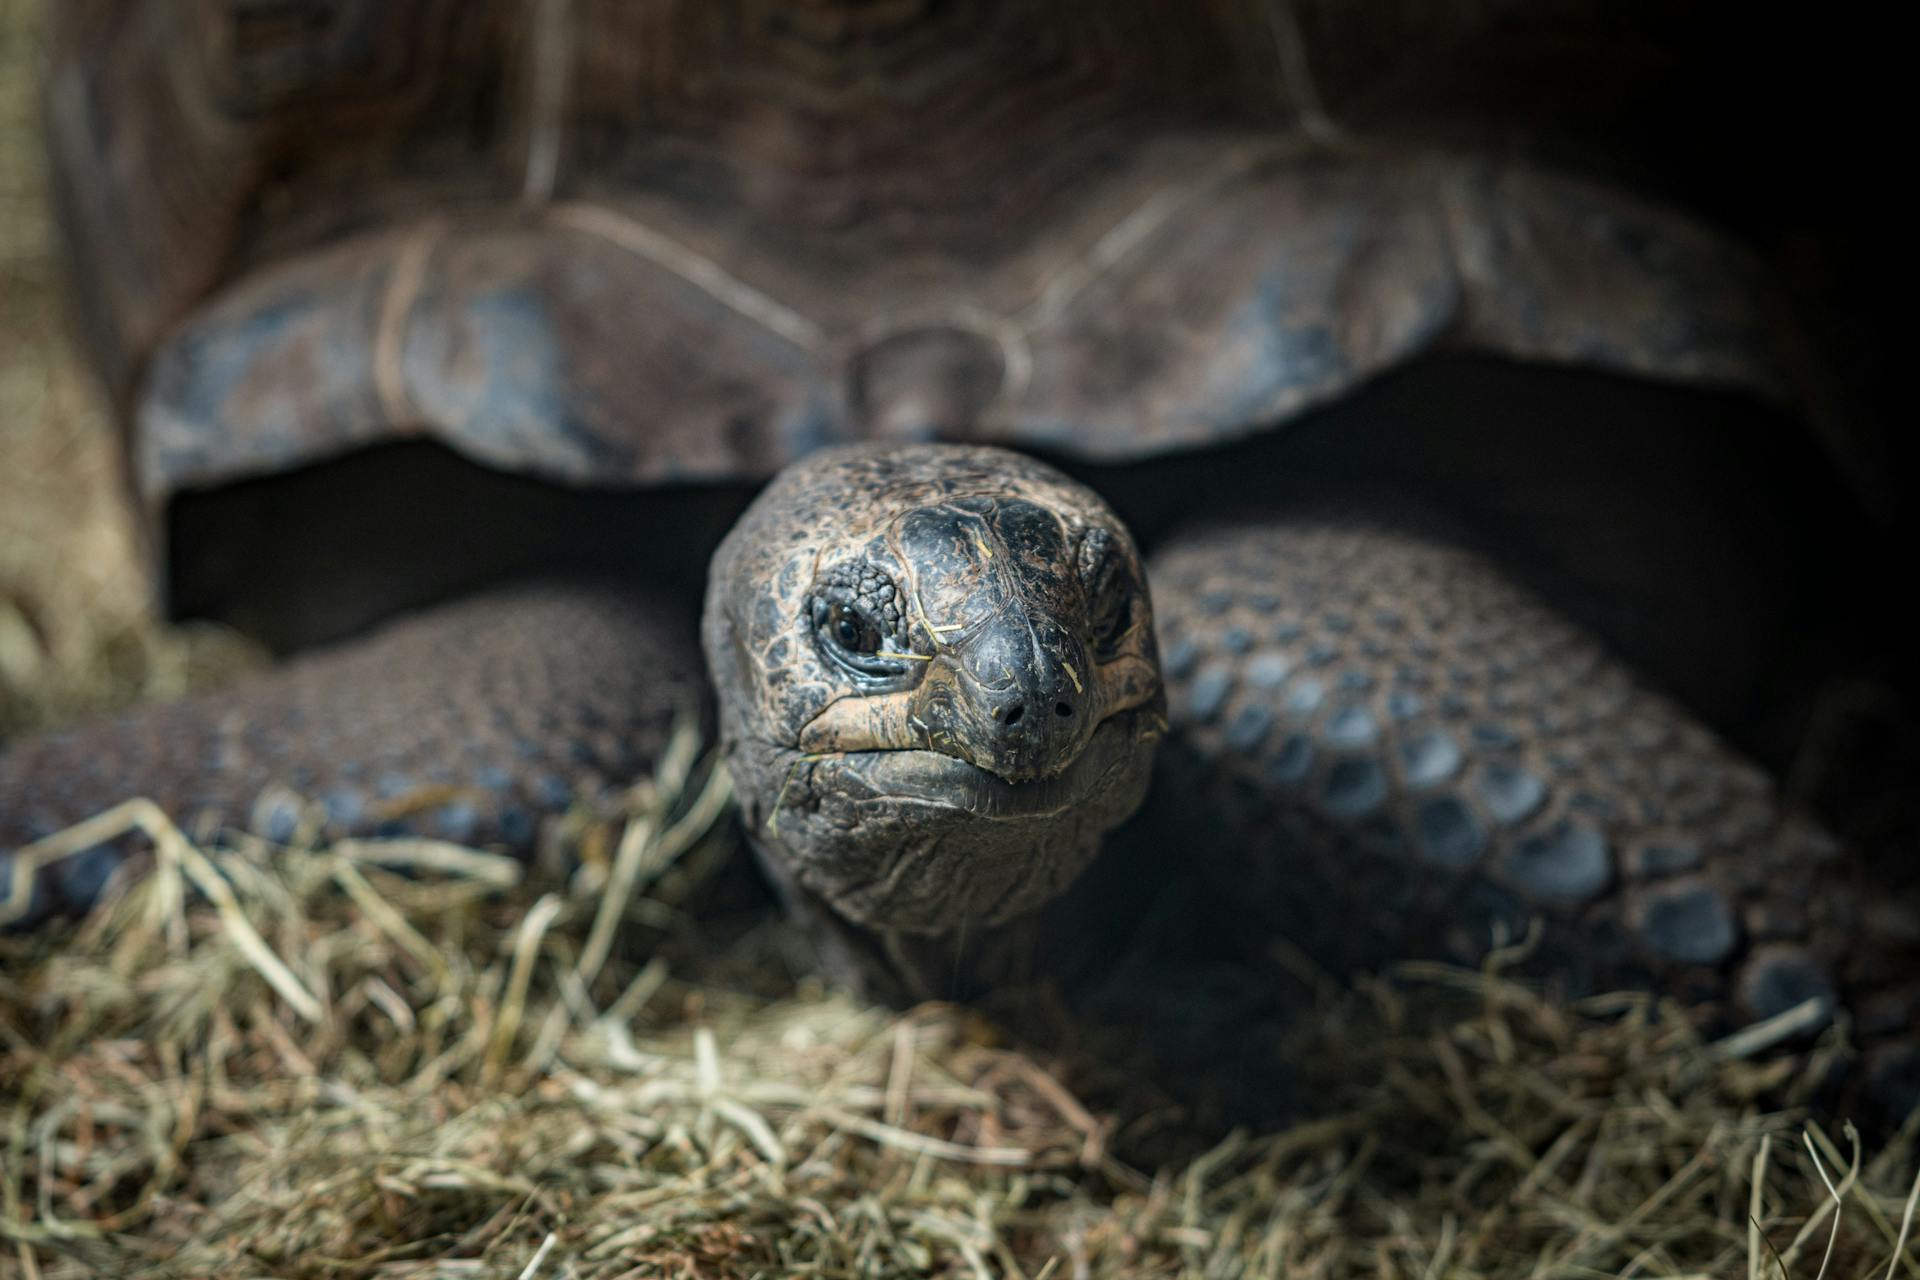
937,680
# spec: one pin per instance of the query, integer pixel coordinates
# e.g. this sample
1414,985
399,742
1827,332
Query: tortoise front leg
1387,751
472,722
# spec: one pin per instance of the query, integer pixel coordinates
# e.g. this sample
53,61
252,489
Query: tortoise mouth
918,775
915,840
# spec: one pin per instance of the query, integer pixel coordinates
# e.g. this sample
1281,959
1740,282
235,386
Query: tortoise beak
953,712
1016,700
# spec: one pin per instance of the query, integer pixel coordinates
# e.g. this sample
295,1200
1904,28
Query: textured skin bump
1413,757
469,722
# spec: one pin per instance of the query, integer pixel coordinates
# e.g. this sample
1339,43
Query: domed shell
616,243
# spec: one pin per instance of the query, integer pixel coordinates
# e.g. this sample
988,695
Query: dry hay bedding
419,1060
329,1069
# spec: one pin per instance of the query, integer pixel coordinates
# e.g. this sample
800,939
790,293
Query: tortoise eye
1108,582
1112,614
851,631
856,614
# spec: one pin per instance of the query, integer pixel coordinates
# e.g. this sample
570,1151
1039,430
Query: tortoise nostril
1063,709
1014,713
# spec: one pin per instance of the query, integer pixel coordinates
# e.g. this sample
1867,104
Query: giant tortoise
448,339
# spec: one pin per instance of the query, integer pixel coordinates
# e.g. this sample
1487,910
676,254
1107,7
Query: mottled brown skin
969,779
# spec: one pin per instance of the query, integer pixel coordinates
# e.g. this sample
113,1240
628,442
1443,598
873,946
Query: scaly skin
1393,752
473,721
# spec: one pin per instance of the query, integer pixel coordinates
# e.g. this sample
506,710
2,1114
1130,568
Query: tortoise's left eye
1107,580
1112,616
859,623
851,631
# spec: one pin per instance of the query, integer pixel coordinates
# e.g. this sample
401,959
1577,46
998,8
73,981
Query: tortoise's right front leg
472,722
1382,750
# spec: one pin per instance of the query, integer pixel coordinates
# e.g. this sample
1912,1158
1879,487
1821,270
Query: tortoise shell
617,243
